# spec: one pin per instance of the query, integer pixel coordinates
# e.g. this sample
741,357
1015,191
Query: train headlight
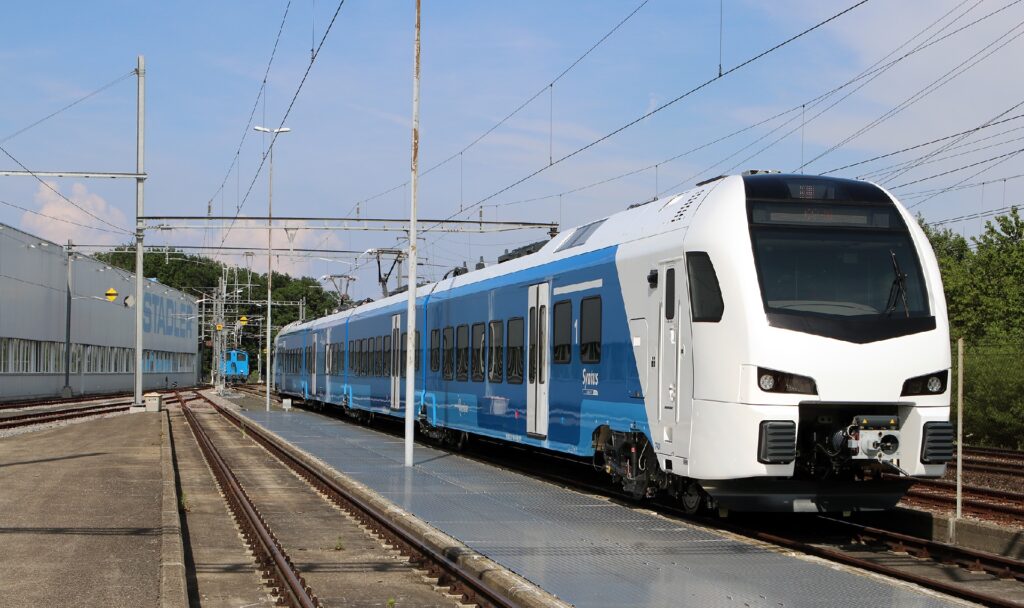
928,384
771,381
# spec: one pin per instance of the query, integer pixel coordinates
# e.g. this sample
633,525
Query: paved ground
80,514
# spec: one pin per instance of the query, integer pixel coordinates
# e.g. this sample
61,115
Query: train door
538,369
675,367
395,354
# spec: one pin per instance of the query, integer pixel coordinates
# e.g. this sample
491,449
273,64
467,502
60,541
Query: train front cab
818,349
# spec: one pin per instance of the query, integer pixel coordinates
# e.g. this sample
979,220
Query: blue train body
480,404
235,366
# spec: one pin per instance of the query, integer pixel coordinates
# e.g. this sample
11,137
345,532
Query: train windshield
842,269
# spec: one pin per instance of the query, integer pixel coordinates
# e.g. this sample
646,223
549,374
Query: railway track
839,541
27,403
59,415
985,502
291,587
74,410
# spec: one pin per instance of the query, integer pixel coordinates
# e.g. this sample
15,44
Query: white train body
706,417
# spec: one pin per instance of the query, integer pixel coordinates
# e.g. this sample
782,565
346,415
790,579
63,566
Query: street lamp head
266,130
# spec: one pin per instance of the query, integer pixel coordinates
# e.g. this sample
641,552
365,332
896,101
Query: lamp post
270,248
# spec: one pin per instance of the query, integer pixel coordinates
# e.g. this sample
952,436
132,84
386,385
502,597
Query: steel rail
58,412
60,415
997,452
445,567
291,587
841,557
1014,469
26,403
971,559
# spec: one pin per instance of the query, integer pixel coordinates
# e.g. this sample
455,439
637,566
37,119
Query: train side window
462,353
515,351
479,351
705,294
435,350
341,356
497,359
366,356
405,353
670,294
448,353
350,359
378,362
590,330
418,351
562,334
386,355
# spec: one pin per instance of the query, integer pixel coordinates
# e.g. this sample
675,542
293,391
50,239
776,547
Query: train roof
637,221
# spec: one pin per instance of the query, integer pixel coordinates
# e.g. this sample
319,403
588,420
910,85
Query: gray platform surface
584,550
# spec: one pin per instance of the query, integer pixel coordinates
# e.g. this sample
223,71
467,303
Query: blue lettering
172,319
147,312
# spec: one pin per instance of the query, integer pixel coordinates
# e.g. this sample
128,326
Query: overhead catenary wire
976,215
665,105
515,111
921,145
872,70
985,52
288,111
956,151
924,159
867,76
58,193
68,106
256,103
58,219
964,186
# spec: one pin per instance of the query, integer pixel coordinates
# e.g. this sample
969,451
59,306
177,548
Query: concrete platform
585,550
85,519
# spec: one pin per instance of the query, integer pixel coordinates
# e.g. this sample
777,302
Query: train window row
471,352
478,351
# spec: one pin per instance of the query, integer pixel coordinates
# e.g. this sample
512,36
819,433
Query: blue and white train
760,342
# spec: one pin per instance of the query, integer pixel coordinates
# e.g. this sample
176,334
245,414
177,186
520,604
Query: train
760,342
235,366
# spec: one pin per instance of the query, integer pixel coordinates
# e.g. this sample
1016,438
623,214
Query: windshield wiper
898,290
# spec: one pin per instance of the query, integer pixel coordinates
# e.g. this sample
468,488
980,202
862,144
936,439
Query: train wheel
461,440
692,498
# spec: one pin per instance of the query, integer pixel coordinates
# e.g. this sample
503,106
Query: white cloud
58,220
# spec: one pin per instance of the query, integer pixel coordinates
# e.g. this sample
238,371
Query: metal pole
410,340
270,273
66,391
140,225
959,426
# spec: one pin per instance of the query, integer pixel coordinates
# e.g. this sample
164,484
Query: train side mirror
652,279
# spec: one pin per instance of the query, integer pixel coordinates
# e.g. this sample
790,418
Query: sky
920,70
